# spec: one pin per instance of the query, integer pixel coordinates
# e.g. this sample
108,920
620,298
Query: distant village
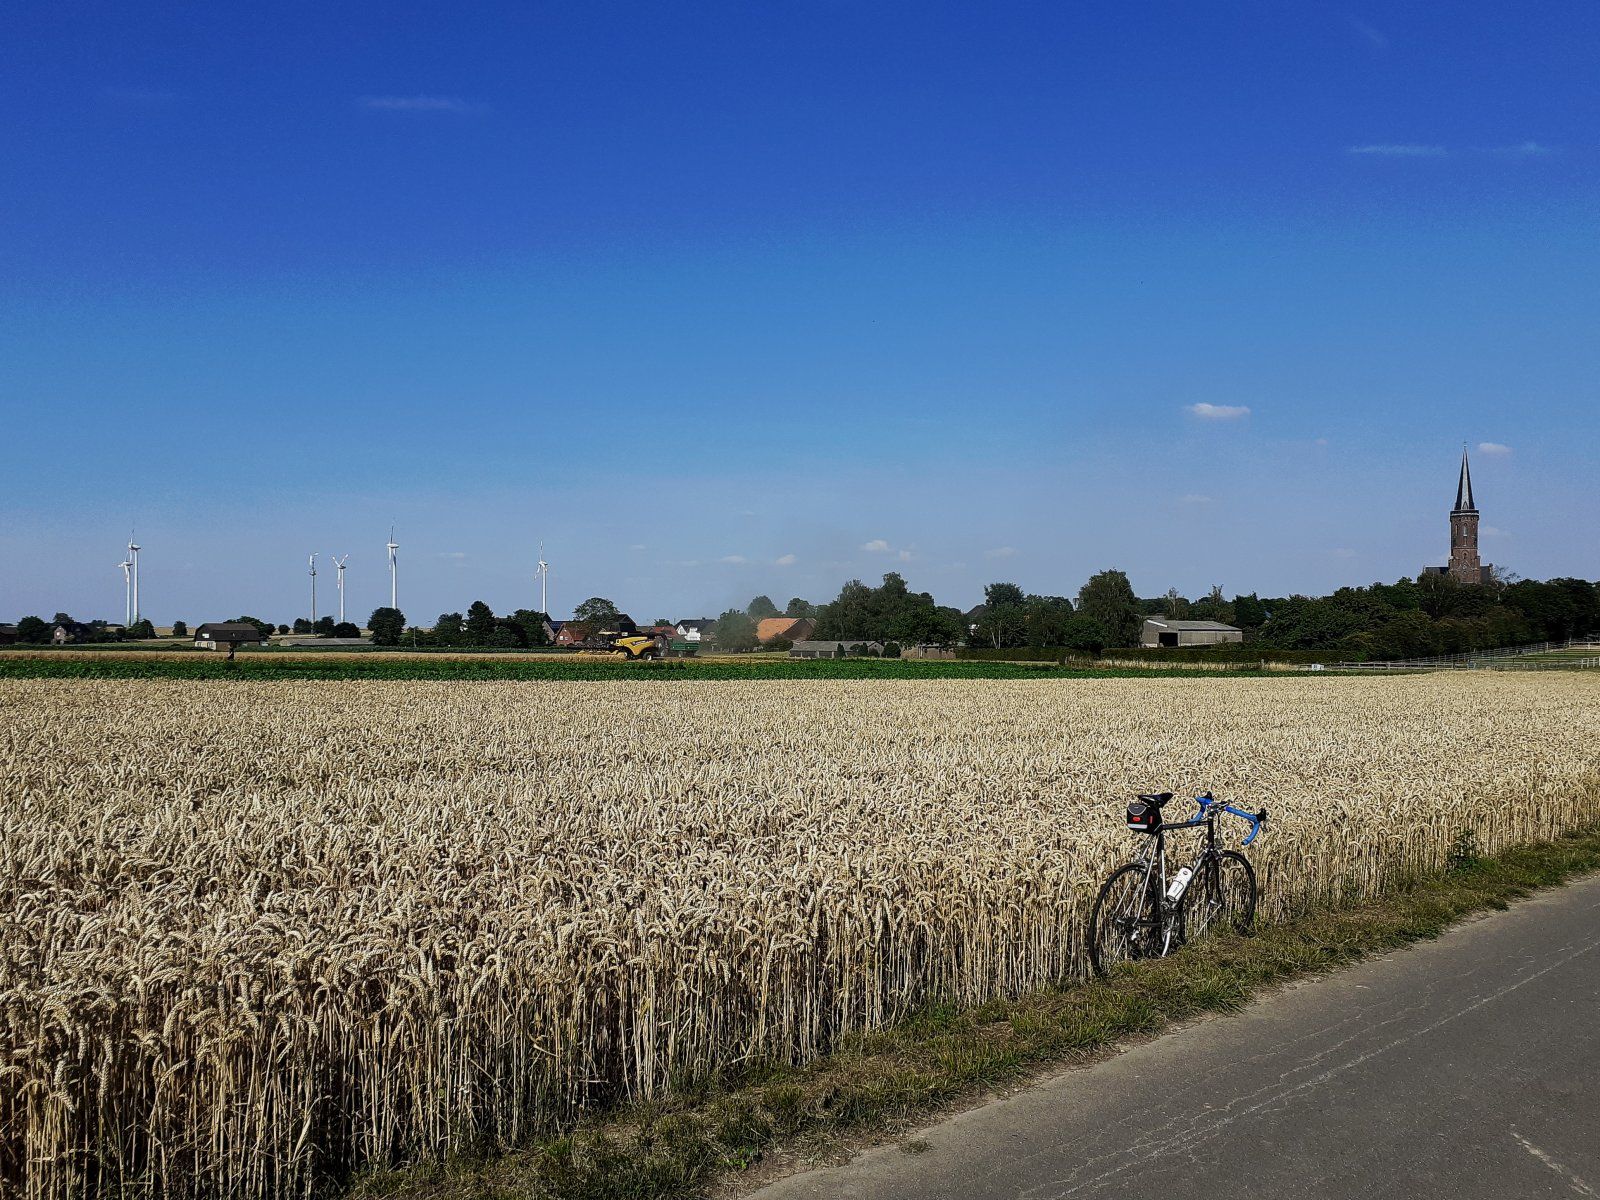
1463,605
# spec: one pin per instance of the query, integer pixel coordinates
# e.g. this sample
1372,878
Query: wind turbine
543,572
339,563
127,592
313,589
133,562
394,566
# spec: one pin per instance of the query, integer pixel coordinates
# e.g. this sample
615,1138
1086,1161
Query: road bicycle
1142,912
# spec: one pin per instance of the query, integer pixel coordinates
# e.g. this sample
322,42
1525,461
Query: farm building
795,629
227,635
693,629
843,648
1164,631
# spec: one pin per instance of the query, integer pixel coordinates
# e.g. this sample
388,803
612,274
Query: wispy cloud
1001,552
785,560
433,104
1521,150
876,546
1399,150
1219,412
1343,552
637,546
1194,498
1493,449
1376,36
1494,531
453,555
733,559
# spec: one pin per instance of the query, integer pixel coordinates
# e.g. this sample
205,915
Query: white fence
1507,658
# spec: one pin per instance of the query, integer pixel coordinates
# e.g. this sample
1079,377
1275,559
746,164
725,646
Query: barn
1164,631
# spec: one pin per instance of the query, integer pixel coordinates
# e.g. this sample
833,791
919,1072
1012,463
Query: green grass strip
68,665
942,1055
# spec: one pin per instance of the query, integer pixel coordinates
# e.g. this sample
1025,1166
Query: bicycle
1141,913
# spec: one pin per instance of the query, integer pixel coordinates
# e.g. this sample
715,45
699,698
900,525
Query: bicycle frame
1154,856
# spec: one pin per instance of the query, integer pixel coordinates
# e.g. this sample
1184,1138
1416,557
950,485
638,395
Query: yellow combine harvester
632,646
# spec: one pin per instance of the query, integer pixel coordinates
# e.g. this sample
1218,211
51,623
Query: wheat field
254,935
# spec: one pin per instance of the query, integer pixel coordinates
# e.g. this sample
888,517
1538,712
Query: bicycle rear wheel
1223,899
1125,922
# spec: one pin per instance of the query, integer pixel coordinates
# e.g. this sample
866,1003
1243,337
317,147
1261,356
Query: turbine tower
339,563
543,572
127,592
394,570
313,589
133,562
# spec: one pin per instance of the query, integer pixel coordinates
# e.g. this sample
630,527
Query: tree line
1411,618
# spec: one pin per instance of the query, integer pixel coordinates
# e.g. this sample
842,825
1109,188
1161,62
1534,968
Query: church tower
1465,566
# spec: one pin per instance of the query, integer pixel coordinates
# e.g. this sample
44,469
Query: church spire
1464,486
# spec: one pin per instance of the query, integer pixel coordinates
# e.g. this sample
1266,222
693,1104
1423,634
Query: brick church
1464,566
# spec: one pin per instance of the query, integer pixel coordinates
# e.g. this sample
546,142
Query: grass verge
322,665
942,1055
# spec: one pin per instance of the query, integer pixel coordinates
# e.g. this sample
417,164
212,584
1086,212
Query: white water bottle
1179,882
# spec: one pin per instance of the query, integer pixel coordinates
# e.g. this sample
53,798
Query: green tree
1174,605
1249,613
1212,608
799,608
534,625
736,632
507,634
387,624
264,626
1108,598
1046,620
141,629
301,625
281,629
179,629
761,608
448,629
596,612
480,623
33,631
324,627
1003,622
346,629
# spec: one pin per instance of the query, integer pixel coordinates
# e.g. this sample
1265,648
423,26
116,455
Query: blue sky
719,299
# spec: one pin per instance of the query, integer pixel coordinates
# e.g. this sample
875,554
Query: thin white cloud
733,559
904,555
876,546
435,104
1001,552
454,555
1376,36
1219,412
785,560
1399,150
1522,150
1493,449
1319,441
1194,498
637,546
1494,531
1343,552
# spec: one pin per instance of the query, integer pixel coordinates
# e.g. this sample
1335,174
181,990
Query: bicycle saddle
1156,798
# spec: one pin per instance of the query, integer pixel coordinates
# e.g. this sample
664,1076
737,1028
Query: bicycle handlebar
1257,819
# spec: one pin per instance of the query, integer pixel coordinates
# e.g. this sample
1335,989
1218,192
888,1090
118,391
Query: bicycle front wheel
1223,899
1125,923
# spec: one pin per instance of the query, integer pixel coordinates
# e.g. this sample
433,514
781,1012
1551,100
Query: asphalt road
1467,1067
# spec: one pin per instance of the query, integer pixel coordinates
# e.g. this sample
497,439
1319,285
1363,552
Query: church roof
1464,486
